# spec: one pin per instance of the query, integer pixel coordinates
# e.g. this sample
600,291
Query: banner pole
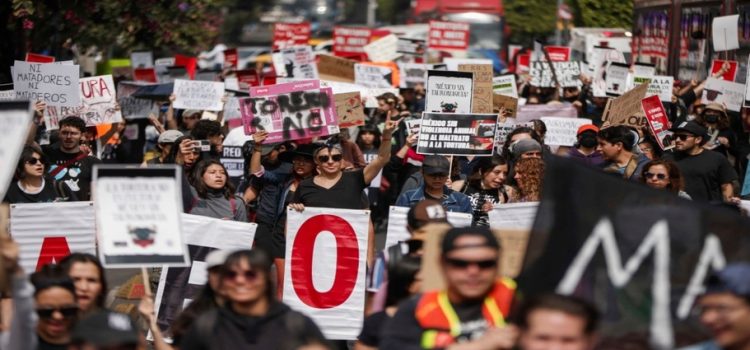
146,282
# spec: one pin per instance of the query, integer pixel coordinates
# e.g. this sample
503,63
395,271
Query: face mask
588,141
711,118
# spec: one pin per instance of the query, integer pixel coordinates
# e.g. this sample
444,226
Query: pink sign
558,53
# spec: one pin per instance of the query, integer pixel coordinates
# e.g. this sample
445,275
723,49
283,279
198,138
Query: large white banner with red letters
326,252
48,232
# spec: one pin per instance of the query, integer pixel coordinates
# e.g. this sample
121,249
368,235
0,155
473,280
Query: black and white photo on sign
617,78
203,95
597,67
505,85
17,117
567,74
54,84
414,47
372,76
449,92
139,210
457,134
296,63
413,74
721,91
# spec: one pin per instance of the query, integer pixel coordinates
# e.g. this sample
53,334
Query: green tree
604,13
529,19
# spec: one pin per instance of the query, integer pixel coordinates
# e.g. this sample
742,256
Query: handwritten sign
449,92
55,84
349,109
202,95
98,104
482,90
505,85
336,68
722,91
622,109
372,76
562,131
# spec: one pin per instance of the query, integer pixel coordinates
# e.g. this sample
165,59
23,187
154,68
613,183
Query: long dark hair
401,275
676,181
85,258
205,301
172,156
50,276
369,128
201,187
258,260
483,166
26,154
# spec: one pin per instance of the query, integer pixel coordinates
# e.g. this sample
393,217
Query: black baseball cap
106,328
449,241
691,127
433,164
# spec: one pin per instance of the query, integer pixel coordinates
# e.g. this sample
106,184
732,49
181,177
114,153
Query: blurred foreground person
553,321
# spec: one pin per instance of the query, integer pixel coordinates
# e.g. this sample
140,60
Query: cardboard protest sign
298,63
505,85
481,100
457,134
507,103
730,74
54,84
350,41
373,76
98,104
290,34
617,78
37,58
657,121
527,113
724,32
335,68
449,92
397,231
383,49
413,74
326,254
562,131
137,216
448,35
648,251
349,109
626,109
451,63
558,53
179,286
133,107
726,92
567,74
290,111
16,117
142,59
202,95
45,239
413,47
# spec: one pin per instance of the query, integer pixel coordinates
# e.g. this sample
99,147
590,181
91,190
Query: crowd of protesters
369,167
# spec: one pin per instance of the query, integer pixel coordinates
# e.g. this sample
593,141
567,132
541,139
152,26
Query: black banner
457,134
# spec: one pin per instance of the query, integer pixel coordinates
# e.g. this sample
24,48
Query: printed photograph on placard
457,134
449,92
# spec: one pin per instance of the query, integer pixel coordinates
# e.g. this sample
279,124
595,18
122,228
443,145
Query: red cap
586,127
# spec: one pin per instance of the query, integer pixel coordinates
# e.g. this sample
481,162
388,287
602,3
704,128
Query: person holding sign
487,188
721,138
33,185
215,192
70,164
435,170
252,317
471,312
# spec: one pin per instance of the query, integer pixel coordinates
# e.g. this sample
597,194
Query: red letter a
53,250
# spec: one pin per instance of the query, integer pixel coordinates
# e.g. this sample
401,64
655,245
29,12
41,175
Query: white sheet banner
180,285
204,95
44,237
562,131
515,216
16,120
326,253
397,224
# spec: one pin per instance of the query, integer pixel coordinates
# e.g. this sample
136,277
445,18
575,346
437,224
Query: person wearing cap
470,312
165,142
708,175
435,171
724,309
210,130
616,145
106,330
526,148
584,151
721,138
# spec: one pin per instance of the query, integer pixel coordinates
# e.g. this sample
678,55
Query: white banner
726,92
178,286
203,95
55,84
515,216
505,85
326,254
48,232
397,224
371,76
383,49
562,131
14,128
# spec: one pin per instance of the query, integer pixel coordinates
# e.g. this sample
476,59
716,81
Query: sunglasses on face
463,264
33,161
232,275
683,137
658,176
335,158
65,311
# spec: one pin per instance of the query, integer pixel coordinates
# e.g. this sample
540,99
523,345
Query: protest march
358,175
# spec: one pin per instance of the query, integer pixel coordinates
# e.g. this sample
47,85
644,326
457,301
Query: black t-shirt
372,327
77,175
404,332
48,194
345,194
704,174
478,197
44,345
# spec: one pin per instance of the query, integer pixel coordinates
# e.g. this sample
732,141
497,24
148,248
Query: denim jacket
452,200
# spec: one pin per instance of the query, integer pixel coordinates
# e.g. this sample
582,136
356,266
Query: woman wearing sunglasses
33,185
252,318
664,175
56,307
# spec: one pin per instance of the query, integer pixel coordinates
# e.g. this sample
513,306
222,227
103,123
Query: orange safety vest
440,322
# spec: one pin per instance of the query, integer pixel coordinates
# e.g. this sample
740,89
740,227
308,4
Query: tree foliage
604,13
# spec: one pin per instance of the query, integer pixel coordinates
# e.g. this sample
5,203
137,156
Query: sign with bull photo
449,92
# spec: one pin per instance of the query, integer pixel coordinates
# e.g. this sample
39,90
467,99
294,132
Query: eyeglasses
65,311
463,264
682,137
33,161
232,275
658,176
335,158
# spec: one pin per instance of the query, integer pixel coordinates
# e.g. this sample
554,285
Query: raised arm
384,152
171,121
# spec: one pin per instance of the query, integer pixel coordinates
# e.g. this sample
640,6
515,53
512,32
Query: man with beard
69,164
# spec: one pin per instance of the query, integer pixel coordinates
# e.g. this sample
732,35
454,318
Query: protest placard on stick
481,101
562,131
202,95
336,68
721,91
626,109
54,84
457,134
657,121
449,92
